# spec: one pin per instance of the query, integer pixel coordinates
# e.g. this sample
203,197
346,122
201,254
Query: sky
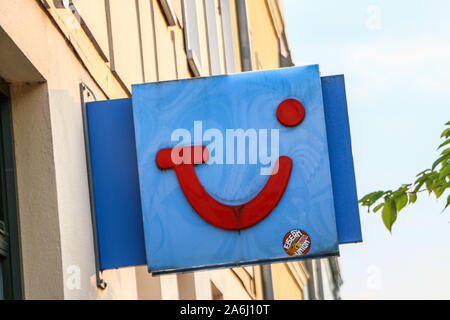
395,56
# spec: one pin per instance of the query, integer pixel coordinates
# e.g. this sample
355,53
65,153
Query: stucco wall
36,187
263,37
284,285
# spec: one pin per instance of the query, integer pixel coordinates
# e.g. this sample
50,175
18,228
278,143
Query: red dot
291,112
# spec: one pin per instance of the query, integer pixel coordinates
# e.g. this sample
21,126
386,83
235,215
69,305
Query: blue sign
296,198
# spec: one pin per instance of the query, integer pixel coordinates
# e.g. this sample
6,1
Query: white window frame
228,39
169,12
212,30
192,37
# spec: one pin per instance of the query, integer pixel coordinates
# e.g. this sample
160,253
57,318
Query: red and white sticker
296,243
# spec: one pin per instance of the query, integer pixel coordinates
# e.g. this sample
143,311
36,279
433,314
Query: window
3,254
215,40
215,15
192,36
228,39
169,13
10,265
2,296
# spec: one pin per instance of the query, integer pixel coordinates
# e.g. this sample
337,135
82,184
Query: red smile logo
233,217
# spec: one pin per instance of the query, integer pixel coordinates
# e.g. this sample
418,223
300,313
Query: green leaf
445,171
401,202
430,184
412,197
446,151
371,198
438,161
376,197
389,214
378,207
444,144
438,191
448,203
418,186
423,172
436,182
446,133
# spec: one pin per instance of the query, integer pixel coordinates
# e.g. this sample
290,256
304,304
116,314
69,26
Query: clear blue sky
396,59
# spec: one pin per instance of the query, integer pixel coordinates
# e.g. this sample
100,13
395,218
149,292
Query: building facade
57,54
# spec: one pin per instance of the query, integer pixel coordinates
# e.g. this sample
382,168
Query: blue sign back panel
177,237
341,159
116,185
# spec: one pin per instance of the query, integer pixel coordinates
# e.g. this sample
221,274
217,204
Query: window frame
3,254
214,38
11,262
3,241
228,37
192,36
169,13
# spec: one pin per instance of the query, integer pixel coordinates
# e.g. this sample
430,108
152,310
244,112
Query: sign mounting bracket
85,90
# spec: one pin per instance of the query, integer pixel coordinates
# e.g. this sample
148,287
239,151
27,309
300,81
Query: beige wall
45,70
263,37
36,186
284,285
